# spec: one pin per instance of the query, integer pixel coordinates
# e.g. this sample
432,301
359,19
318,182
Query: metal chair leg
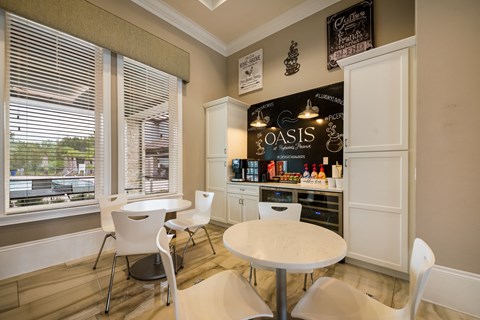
208,236
191,238
190,233
128,268
254,276
101,248
107,307
168,295
250,275
186,245
305,281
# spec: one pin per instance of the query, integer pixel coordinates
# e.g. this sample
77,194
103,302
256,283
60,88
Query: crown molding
173,17
295,15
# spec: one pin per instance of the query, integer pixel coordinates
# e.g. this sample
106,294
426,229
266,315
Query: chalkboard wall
299,141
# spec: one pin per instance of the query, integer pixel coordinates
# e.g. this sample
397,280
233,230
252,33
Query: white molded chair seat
107,205
223,296
195,219
283,211
332,299
136,233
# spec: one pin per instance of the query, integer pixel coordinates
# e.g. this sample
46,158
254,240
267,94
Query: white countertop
316,187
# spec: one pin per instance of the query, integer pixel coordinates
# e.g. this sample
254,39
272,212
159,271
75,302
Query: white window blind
55,116
148,129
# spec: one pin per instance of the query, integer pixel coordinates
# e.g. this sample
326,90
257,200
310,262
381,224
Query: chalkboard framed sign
349,32
294,141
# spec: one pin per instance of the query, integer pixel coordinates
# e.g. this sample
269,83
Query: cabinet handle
225,150
346,163
346,142
225,164
242,189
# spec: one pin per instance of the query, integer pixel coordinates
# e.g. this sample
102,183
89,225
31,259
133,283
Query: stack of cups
336,180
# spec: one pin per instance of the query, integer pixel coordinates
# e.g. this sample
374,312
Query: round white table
150,267
284,244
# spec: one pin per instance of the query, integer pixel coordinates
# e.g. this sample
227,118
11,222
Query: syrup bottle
306,174
321,174
314,171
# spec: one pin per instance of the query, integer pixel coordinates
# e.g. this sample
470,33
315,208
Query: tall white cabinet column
226,139
377,154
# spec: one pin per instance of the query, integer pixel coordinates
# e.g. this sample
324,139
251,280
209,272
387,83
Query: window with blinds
55,116
148,129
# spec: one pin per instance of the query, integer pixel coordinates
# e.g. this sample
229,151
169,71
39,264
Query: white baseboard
446,287
454,289
35,255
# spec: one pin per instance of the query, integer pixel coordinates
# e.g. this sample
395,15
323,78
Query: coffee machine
239,167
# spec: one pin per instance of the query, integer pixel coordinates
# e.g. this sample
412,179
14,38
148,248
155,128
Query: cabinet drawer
243,189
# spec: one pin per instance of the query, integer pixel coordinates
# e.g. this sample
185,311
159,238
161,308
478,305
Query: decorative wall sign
349,32
297,141
290,62
250,72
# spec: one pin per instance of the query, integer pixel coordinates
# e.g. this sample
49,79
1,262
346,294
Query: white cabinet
376,214
376,103
242,203
216,177
226,139
376,158
216,127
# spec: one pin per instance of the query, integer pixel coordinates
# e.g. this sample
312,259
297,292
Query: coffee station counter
321,205
302,186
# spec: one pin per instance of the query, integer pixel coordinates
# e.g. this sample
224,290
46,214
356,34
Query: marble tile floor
74,291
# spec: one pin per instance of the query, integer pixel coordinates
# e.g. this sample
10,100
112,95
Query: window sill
19,218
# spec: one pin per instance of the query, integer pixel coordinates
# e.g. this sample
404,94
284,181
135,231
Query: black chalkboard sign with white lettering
349,32
299,141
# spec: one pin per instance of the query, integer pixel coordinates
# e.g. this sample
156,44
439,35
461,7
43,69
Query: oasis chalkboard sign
349,32
299,141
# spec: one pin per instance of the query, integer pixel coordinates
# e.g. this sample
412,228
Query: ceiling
233,24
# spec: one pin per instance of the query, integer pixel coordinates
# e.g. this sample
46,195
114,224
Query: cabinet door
376,208
234,208
250,208
216,128
376,103
216,182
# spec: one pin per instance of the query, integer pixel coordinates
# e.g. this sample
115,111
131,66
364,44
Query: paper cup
339,183
331,182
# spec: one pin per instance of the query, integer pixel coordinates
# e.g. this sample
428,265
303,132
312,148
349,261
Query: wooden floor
75,291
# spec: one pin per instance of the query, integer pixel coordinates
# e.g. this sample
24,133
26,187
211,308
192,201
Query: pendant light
309,112
260,121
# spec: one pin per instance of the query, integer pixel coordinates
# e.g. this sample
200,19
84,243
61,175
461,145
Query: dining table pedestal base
151,268
281,293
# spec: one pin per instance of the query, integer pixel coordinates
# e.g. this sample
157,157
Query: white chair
136,233
107,205
333,299
224,296
194,219
283,211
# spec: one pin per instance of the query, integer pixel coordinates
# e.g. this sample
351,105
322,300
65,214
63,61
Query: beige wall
448,171
393,20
